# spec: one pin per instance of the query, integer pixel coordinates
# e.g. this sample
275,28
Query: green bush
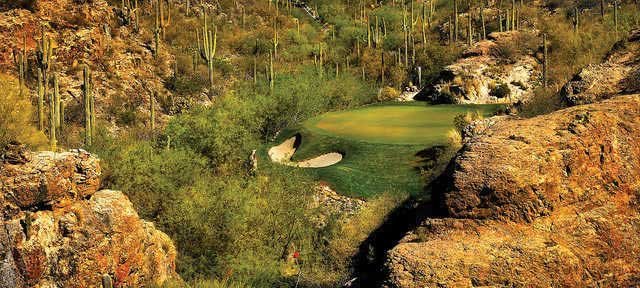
501,90
16,114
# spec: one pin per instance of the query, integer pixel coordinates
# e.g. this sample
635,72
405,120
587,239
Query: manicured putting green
380,144
394,124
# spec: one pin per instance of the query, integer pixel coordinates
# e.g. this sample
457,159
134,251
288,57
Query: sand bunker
282,154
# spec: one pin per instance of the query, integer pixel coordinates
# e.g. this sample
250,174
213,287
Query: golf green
381,145
394,124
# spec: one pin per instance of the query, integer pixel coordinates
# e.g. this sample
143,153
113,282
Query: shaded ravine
369,263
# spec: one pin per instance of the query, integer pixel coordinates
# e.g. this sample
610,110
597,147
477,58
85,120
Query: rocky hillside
88,32
619,73
545,202
58,230
490,71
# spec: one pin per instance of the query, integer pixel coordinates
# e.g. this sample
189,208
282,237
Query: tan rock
551,201
482,76
619,73
57,231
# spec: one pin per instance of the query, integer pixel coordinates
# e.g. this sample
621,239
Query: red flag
296,254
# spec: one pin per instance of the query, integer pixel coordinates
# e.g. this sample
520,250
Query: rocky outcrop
57,230
486,74
88,32
543,202
619,73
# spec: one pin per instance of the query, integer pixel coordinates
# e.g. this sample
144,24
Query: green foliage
15,116
463,120
501,90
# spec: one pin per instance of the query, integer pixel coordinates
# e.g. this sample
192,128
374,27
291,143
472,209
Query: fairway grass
379,144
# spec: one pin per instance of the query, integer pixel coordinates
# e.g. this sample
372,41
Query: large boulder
619,73
57,230
543,202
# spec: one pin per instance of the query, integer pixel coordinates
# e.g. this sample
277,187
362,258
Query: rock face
544,202
87,32
619,73
57,231
485,75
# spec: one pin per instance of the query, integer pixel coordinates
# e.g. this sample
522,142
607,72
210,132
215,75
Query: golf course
380,145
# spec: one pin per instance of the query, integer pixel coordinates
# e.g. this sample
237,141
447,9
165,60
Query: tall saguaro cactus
455,21
40,93
53,114
86,89
272,75
152,103
484,27
43,58
20,60
545,63
275,38
469,30
615,16
207,47
576,20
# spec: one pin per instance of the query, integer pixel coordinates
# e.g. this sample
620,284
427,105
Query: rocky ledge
59,231
619,73
551,201
487,73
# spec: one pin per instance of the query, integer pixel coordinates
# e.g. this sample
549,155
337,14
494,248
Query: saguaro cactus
272,75
615,16
57,102
20,60
86,89
545,63
152,109
53,115
43,58
275,41
469,30
208,47
455,21
484,27
40,93
576,20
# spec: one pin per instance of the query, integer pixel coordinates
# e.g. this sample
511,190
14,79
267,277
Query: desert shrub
388,93
464,119
16,114
501,90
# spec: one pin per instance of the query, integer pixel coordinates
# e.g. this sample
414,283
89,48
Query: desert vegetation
212,81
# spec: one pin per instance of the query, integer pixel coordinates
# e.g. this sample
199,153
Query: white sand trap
321,161
282,154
